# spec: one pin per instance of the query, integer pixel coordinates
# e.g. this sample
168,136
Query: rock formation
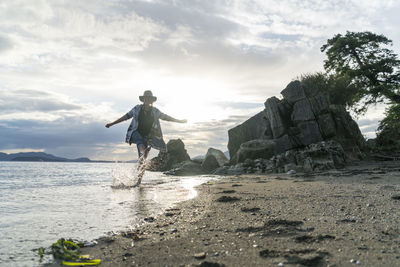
251,129
176,153
300,125
302,131
214,159
177,162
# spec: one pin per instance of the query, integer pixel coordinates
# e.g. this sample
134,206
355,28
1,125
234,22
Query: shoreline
336,218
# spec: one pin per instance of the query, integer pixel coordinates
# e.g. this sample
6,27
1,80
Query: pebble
200,255
281,264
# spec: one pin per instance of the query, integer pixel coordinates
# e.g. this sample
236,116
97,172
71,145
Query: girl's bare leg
142,162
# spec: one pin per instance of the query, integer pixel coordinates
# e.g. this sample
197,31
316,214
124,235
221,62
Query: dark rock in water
251,129
186,168
214,159
176,153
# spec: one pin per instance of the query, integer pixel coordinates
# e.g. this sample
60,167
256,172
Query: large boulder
348,133
309,132
186,168
274,116
294,92
255,149
316,157
253,128
214,159
302,118
176,153
302,111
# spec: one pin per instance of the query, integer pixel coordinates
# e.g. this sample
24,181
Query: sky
67,68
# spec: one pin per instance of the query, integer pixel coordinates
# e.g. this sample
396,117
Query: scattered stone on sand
250,209
149,219
228,192
201,255
326,222
228,199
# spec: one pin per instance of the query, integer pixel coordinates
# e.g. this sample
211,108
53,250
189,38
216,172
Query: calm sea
42,202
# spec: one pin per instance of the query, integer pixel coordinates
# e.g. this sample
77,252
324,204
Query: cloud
33,100
68,67
5,44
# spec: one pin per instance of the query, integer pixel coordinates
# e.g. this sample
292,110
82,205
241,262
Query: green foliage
364,59
65,250
41,252
388,134
339,88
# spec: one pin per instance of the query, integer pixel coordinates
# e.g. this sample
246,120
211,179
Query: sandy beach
342,217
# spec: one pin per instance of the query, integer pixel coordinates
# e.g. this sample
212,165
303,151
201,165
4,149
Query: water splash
124,175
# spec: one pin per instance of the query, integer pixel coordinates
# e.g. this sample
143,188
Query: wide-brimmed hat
147,94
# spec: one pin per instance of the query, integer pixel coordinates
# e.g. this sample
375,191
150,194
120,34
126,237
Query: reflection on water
42,202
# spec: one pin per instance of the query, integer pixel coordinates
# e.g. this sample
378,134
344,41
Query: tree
388,134
373,69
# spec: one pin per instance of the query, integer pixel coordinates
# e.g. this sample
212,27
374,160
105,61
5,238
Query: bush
341,90
388,132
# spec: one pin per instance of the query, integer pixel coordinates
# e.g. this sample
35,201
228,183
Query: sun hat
149,95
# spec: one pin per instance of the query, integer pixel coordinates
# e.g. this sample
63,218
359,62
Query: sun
195,99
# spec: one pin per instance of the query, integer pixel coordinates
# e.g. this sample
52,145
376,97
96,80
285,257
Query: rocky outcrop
186,168
254,149
253,128
303,117
176,153
214,159
312,158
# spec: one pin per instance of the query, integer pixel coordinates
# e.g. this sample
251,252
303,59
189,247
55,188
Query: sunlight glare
194,99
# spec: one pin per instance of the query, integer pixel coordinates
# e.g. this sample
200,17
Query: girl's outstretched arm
123,118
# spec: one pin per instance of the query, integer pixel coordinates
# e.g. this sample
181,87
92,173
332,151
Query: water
42,202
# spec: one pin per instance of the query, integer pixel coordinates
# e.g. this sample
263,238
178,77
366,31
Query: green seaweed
41,251
66,249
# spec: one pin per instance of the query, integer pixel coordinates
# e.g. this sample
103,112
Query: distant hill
39,156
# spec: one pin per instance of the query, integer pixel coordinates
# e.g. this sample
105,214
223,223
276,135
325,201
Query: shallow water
42,202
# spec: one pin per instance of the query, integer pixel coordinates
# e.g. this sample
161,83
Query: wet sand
344,217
